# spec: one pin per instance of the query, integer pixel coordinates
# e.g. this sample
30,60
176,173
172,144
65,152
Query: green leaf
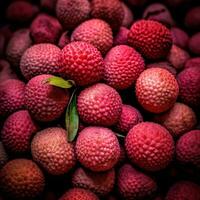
119,135
72,118
60,82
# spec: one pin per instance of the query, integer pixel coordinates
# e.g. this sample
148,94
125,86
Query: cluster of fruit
98,103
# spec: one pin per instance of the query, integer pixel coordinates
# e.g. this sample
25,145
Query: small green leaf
60,82
72,118
119,135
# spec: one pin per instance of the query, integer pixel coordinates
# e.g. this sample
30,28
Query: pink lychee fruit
64,40
128,16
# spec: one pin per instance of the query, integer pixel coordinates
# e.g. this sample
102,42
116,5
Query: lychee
192,18
193,62
128,16
121,37
194,43
64,40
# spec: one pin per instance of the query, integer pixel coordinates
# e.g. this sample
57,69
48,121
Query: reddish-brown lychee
64,40
3,156
193,62
194,43
121,37
192,18
128,16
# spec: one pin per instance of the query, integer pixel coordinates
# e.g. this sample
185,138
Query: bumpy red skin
133,184
100,183
193,62
11,96
96,32
130,116
72,13
152,39
99,105
178,120
110,11
179,37
45,29
53,142
97,148
123,65
188,148
183,190
128,16
192,19
150,146
188,81
24,175
121,38
194,43
17,45
17,132
156,90
78,193
64,40
45,102
3,156
40,59
21,11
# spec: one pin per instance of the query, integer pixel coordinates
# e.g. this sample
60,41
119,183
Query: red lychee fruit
188,148
184,190
189,87
96,32
99,105
194,43
17,45
45,102
123,65
156,90
17,132
21,179
3,156
128,16
40,59
97,148
152,39
11,96
64,40
121,37
53,142
100,183
72,13
192,18
130,116
82,62
110,11
133,184
48,5
193,62
79,194
178,120
45,29
150,146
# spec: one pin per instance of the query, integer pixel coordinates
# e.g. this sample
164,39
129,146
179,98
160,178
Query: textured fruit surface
128,16
45,29
110,11
78,193
121,37
123,65
188,148
189,86
192,19
150,146
17,132
178,120
11,96
21,179
156,90
193,62
99,104
82,62
100,183
52,151
133,184
64,40
40,59
97,148
130,116
96,32
3,156
183,190
72,13
45,102
152,39
194,43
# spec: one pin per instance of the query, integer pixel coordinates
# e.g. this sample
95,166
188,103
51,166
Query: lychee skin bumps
150,146
40,59
96,32
156,90
97,148
52,151
17,132
123,65
78,193
99,105
152,39
133,184
21,179
82,62
45,102
188,148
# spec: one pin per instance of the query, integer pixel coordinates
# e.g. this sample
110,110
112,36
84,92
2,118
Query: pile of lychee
100,100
